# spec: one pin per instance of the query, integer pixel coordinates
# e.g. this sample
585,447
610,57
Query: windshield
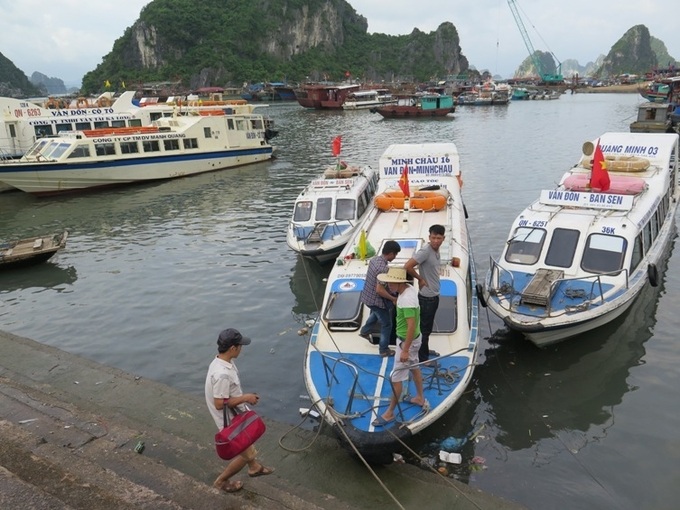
525,246
603,254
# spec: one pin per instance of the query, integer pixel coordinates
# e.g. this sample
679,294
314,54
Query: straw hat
394,275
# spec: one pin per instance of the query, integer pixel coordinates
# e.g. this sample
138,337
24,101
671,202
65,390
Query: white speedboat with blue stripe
327,212
577,257
345,375
169,147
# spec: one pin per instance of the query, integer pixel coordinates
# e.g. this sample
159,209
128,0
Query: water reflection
39,277
529,394
307,283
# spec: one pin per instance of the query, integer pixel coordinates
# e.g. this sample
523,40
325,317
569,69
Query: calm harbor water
152,273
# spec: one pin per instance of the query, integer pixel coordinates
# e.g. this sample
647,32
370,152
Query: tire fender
480,295
653,275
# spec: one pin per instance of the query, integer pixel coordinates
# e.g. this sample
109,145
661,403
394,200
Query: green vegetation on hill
217,42
13,82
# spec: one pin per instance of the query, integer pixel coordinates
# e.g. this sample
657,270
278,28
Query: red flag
337,145
403,182
599,177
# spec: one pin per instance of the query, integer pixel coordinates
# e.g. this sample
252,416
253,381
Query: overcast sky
67,38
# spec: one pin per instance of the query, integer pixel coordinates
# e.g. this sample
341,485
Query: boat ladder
316,235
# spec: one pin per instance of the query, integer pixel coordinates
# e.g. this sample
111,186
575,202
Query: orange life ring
103,102
52,104
81,102
423,200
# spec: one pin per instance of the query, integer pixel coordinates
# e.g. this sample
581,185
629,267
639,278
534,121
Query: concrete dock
69,427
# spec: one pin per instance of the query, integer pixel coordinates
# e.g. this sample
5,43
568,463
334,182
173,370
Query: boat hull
56,178
29,252
399,112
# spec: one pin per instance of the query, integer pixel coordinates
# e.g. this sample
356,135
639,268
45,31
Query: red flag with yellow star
599,177
403,182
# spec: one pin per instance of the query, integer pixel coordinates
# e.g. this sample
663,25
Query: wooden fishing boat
30,251
578,257
426,104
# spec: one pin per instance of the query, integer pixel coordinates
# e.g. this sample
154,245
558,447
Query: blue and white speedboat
577,257
327,212
346,377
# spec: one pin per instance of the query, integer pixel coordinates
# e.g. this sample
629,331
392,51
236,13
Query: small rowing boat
30,251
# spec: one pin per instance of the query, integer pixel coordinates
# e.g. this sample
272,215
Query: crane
546,77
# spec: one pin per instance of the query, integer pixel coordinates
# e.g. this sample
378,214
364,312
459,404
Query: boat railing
501,281
497,285
438,378
596,291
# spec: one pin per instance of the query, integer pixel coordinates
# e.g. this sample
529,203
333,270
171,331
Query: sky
67,38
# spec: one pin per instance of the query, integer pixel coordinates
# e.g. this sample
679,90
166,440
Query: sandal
264,470
234,486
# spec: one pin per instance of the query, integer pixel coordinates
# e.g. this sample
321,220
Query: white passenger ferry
22,122
365,99
327,212
346,377
170,147
577,257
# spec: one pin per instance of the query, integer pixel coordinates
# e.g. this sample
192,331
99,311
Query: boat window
190,143
323,209
81,151
562,247
230,124
43,131
37,147
303,211
49,149
636,257
171,145
83,126
207,133
59,150
344,209
155,116
63,127
117,123
603,254
343,312
129,148
104,149
647,236
363,204
101,124
241,125
12,131
525,246
654,220
151,146
257,124
135,122
446,318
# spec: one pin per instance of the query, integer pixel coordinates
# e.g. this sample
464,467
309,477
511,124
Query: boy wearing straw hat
408,342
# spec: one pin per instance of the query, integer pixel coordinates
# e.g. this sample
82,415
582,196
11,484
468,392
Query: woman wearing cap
408,342
223,387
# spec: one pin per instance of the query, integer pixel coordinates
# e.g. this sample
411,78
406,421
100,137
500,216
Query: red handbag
237,435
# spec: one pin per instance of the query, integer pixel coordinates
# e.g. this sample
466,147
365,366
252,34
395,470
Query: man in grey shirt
428,261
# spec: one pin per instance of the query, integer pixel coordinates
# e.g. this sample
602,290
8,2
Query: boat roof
656,147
